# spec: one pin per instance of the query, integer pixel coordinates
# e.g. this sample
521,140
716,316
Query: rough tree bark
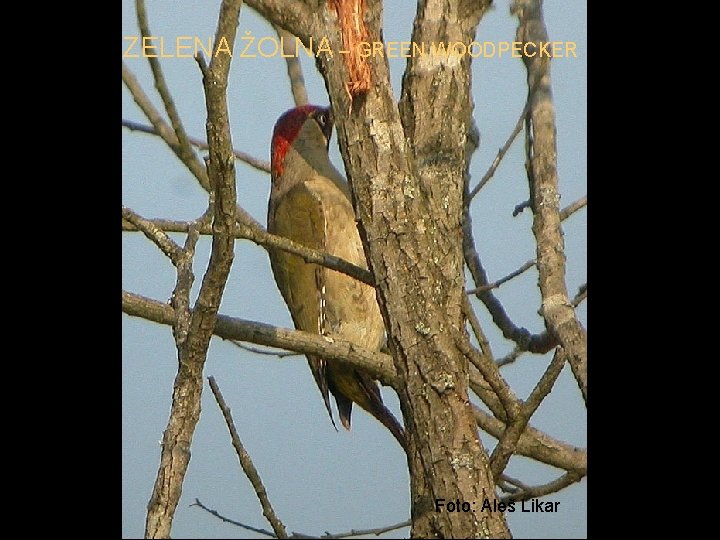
406,167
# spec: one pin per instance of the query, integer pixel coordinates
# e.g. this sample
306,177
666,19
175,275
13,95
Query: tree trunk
406,171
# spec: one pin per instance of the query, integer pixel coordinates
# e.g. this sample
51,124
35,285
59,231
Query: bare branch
580,296
557,310
545,384
180,299
510,357
377,531
193,342
507,444
294,68
263,238
184,150
259,164
500,155
491,374
565,213
518,414
487,395
202,64
379,365
155,234
162,129
477,329
536,343
571,208
537,445
524,340
247,464
533,443
168,136
496,284
524,492
519,208
215,513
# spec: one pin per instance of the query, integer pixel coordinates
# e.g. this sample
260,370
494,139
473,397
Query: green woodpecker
310,204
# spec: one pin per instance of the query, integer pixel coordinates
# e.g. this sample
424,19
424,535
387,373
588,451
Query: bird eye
322,119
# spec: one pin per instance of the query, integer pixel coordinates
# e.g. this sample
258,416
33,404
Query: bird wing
351,310
299,216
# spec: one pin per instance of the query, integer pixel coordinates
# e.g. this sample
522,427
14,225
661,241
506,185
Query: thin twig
247,464
520,207
185,151
500,155
518,485
535,343
571,208
492,376
477,329
162,129
565,213
377,531
580,296
510,357
259,164
496,284
525,492
215,513
168,136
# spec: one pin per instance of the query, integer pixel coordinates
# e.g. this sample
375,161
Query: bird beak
328,127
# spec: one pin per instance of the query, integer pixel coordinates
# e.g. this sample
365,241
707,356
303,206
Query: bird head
301,134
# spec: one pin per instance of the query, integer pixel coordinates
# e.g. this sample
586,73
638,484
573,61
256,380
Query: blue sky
318,479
